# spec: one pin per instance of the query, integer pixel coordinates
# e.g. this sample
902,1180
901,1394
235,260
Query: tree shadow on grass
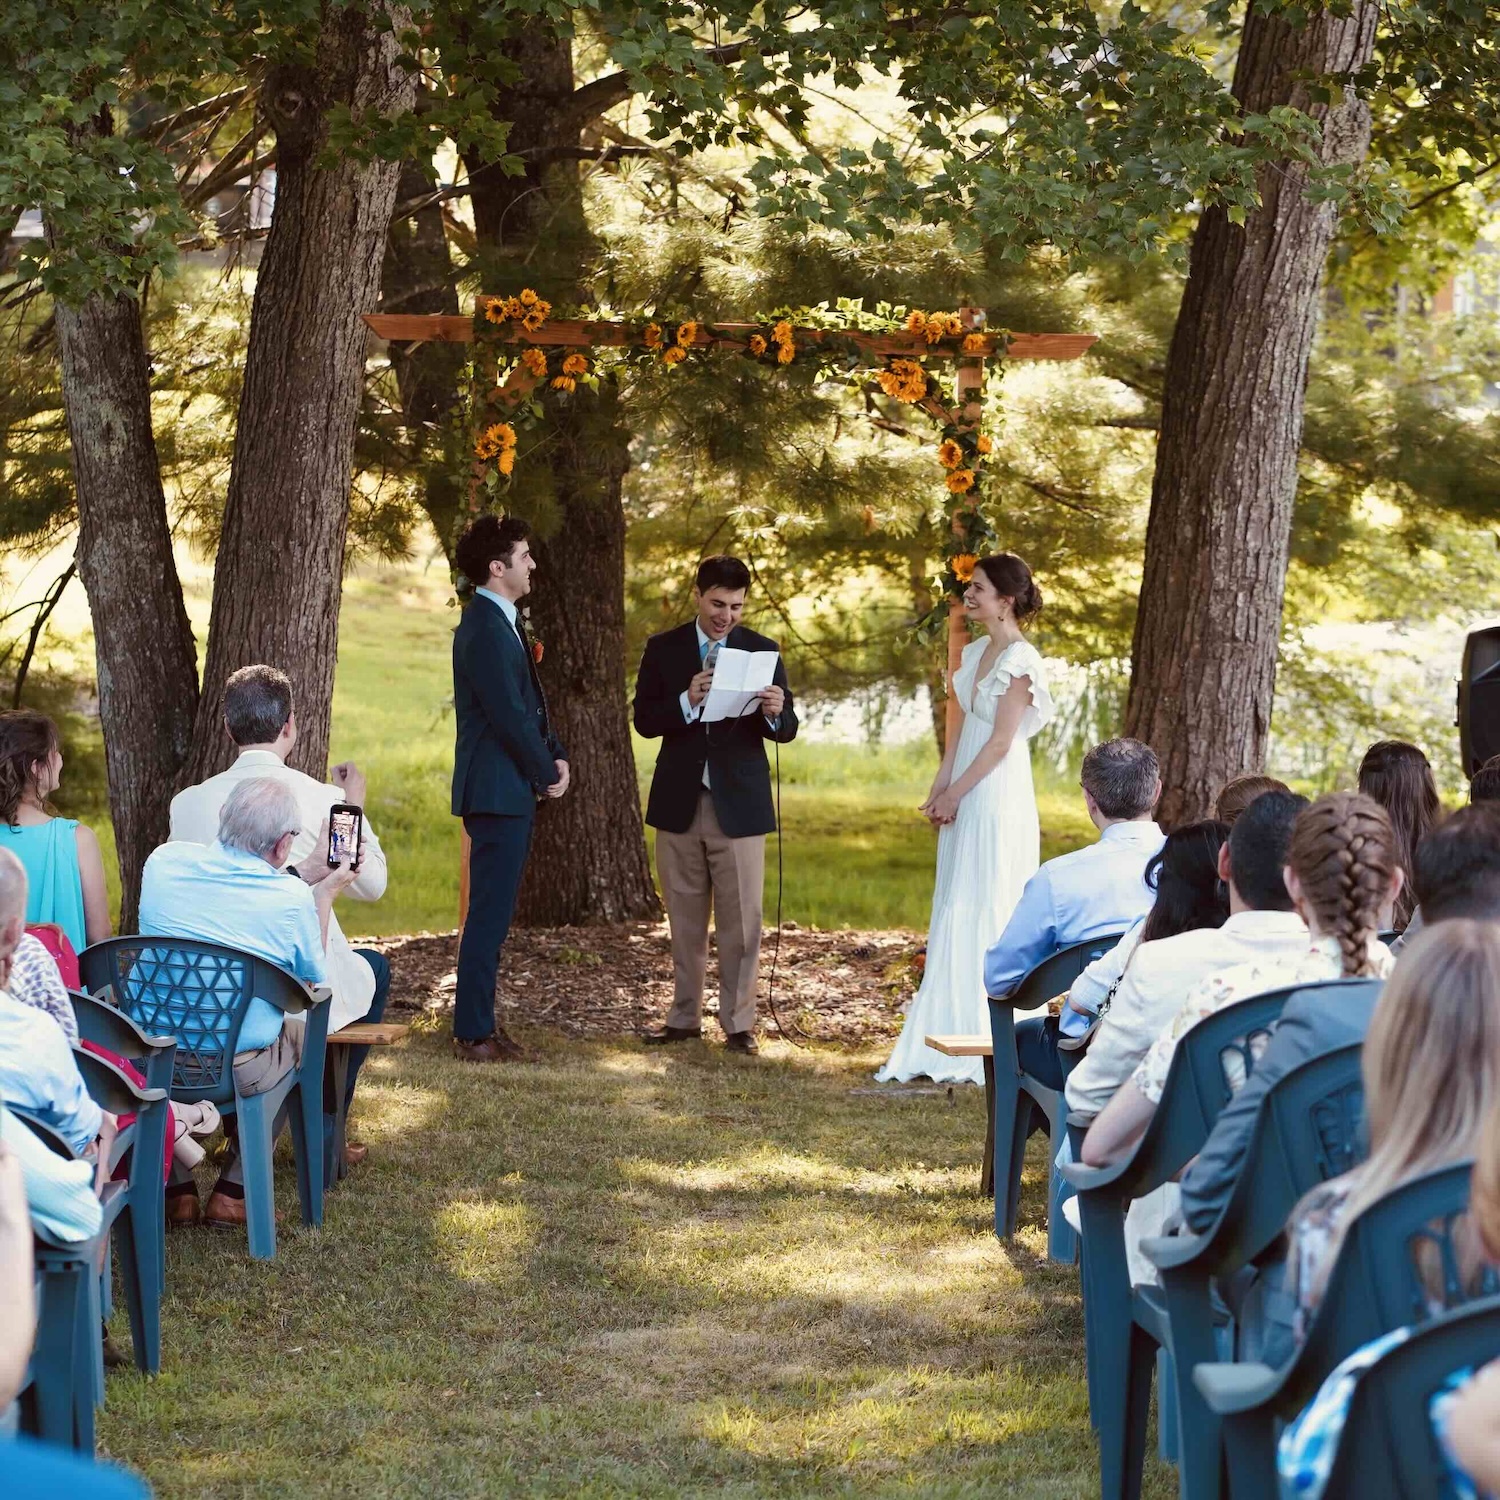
618,1274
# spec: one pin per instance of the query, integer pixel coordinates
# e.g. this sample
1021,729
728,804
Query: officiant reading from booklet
710,799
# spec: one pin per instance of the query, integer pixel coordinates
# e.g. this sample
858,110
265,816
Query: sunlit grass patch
613,1273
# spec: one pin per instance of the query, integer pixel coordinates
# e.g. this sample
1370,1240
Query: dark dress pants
380,966
1038,1055
498,847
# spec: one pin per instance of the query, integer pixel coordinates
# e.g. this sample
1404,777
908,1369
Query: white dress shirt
1155,985
691,711
507,607
195,820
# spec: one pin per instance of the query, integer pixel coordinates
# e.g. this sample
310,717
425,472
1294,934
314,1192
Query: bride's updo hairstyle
1011,577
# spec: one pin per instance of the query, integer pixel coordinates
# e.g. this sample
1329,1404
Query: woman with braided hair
1343,877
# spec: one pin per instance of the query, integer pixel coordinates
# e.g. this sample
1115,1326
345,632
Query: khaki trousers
702,870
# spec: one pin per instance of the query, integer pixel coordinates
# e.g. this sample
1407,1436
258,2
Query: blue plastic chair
1388,1449
103,1025
1019,1098
58,1395
1310,1127
140,1199
1124,1326
1398,1258
198,993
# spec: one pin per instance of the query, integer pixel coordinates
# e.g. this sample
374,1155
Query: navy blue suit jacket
1309,1026
505,755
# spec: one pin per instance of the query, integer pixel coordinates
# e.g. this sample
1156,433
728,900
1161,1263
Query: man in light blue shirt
239,891
1085,894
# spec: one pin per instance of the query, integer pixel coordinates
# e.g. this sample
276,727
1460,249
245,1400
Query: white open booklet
738,677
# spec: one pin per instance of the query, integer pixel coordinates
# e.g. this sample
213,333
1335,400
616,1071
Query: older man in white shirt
259,716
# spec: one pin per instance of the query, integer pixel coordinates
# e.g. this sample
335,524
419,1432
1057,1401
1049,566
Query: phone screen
343,833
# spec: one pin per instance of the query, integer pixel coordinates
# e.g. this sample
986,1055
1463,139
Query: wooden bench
974,1046
361,1034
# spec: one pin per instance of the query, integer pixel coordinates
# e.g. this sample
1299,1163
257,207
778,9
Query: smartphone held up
345,830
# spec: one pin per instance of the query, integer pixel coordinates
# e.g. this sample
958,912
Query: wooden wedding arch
967,343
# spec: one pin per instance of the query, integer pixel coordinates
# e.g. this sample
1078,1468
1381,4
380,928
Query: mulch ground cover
838,986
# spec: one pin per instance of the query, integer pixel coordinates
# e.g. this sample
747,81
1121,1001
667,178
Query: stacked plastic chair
1309,1128
1388,1449
1020,1099
58,1396
198,994
1399,1265
1124,1326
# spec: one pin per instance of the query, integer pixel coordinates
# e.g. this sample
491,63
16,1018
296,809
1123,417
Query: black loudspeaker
1479,699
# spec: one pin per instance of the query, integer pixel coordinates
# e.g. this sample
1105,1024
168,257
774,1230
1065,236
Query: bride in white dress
984,806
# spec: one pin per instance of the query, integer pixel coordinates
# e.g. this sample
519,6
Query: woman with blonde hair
1432,1078
1474,1424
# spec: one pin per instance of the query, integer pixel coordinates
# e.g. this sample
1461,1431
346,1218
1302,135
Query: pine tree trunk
1209,621
417,277
144,657
279,572
588,860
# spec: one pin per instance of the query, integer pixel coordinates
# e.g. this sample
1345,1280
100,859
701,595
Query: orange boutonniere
537,651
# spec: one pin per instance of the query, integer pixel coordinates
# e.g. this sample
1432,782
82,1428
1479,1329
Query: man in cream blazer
259,718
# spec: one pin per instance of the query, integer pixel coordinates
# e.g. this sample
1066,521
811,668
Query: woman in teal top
64,868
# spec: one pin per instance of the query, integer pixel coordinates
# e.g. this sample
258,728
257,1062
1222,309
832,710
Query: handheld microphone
712,655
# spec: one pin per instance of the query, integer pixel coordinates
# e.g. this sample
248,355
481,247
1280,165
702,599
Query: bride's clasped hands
940,807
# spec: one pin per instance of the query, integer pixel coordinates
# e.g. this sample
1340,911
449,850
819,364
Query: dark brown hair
1237,794
1343,851
25,738
1011,577
1484,785
1399,778
485,540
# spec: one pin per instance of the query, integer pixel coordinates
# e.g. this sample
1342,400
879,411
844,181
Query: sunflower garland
961,452
904,380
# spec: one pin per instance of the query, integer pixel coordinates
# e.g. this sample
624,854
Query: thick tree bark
279,571
589,860
417,277
143,645
1209,622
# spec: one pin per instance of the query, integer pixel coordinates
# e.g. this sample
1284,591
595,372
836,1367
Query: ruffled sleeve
1021,659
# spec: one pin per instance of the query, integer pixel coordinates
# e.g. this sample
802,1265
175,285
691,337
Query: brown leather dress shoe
355,1152
742,1041
672,1034
184,1211
486,1050
510,1049
223,1212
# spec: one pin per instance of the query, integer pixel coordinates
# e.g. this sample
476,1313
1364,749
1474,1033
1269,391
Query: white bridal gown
985,856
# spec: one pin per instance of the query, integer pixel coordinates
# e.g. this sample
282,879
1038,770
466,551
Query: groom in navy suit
507,759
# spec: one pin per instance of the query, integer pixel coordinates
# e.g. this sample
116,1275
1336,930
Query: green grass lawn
856,854
614,1273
